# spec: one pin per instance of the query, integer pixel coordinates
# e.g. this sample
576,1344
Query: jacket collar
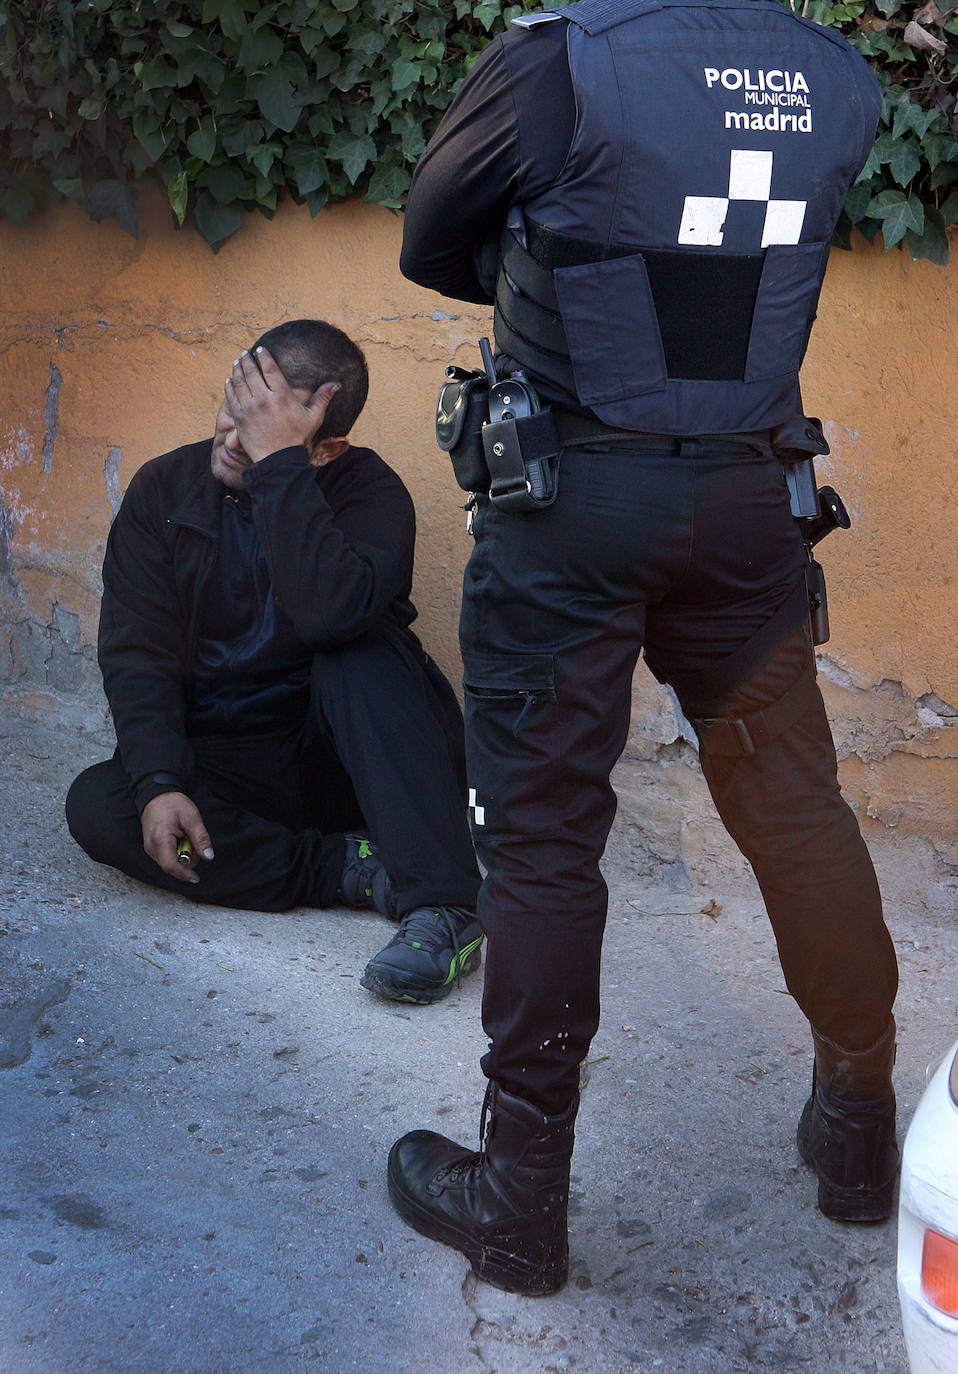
201,502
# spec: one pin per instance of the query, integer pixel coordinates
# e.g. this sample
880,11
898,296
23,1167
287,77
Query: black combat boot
847,1130
506,1207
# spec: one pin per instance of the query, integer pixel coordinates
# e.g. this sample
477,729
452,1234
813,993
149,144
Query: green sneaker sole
397,986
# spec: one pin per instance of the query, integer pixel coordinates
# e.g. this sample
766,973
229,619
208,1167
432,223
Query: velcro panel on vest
740,736
704,302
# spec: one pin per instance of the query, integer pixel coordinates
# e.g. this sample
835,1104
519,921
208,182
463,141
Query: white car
928,1227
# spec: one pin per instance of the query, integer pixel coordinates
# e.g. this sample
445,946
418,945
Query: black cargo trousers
696,560
380,750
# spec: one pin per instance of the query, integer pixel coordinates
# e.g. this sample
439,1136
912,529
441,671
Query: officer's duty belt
575,430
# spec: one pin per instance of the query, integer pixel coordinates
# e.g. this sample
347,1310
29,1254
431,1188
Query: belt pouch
462,409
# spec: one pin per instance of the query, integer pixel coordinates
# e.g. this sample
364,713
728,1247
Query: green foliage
908,188
231,102
234,103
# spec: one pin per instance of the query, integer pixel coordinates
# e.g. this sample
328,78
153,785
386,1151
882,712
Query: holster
498,438
795,443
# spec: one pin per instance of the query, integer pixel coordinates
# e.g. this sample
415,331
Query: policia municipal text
655,266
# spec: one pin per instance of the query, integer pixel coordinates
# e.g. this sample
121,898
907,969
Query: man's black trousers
381,751
698,562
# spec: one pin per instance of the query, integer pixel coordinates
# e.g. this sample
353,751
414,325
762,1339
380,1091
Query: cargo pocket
513,745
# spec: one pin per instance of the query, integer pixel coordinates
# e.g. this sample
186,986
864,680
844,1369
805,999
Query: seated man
269,697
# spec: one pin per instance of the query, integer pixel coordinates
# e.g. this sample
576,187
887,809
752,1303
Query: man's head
308,353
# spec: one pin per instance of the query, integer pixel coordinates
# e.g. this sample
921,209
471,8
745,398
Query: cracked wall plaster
51,415
111,475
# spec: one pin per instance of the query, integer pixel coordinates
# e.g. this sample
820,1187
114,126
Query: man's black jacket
339,543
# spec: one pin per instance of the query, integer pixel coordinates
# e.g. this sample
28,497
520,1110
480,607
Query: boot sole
498,1268
866,1205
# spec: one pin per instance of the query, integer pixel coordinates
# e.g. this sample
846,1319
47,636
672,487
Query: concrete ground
196,1106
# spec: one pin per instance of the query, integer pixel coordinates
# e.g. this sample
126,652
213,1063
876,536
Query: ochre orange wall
114,350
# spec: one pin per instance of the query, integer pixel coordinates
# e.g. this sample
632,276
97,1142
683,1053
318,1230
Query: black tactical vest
668,280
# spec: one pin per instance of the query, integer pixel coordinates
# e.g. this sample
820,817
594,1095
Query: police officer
648,190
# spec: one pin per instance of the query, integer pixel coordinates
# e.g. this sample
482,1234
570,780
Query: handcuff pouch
461,411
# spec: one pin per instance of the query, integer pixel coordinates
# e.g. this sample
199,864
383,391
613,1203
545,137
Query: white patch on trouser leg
479,812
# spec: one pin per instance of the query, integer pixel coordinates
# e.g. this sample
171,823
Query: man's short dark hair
310,352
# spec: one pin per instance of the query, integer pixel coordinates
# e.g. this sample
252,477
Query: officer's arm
464,184
502,141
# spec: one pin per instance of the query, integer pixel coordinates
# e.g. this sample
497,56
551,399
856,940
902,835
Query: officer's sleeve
503,139
464,183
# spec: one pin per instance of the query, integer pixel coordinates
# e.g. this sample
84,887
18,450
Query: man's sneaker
433,949
365,883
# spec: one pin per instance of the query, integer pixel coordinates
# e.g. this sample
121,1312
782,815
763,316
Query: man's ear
326,450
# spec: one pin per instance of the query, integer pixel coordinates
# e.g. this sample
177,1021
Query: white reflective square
783,221
703,219
749,175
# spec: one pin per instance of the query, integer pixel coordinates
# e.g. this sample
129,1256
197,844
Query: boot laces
459,1168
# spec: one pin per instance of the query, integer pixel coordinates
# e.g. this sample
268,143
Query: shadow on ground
196,1106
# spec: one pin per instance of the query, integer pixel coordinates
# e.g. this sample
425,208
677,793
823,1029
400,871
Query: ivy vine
234,103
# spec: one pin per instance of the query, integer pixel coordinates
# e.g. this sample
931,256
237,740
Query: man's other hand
268,413
168,819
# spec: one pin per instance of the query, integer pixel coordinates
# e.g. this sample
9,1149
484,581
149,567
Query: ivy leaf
216,222
203,65
202,143
898,213
150,134
71,187
177,193
932,242
91,107
405,73
114,198
388,185
486,13
225,183
259,49
857,202
910,117
904,161
872,165
263,155
949,211
231,15
308,168
945,174
156,75
277,100
355,152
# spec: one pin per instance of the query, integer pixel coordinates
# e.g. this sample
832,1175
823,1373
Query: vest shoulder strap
533,21
597,16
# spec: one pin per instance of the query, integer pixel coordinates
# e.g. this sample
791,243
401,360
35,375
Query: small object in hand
184,852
